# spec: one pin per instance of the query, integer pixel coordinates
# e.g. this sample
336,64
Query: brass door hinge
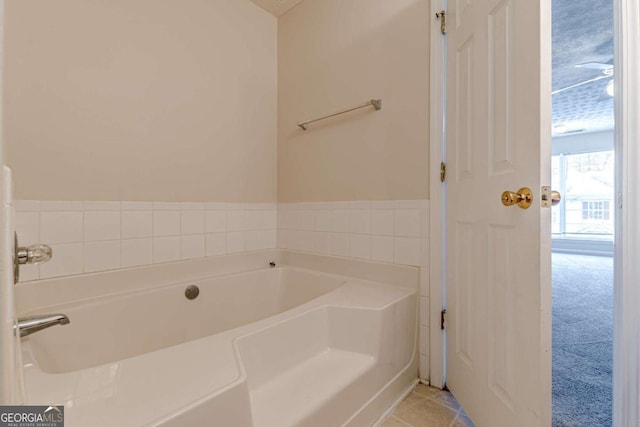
443,22
442,319
443,171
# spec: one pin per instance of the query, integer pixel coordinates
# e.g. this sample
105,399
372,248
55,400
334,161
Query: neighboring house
589,205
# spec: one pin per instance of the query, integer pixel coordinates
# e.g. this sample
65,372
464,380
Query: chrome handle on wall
34,254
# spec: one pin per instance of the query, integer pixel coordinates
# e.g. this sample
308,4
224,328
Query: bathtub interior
316,341
317,369
338,364
105,330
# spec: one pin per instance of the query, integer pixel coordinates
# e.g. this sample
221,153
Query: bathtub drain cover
192,292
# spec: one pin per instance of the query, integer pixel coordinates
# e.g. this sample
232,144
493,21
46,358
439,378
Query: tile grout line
401,421
434,399
456,411
455,418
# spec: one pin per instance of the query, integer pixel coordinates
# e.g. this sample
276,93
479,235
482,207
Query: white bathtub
315,341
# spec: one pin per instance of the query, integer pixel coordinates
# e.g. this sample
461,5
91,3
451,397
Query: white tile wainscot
93,236
393,231
96,236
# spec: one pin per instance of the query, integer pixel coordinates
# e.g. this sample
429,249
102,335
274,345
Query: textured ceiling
276,7
582,33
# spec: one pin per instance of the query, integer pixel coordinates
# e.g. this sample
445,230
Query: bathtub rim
36,295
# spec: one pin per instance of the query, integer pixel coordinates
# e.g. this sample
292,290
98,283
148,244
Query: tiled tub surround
96,236
392,231
325,341
386,231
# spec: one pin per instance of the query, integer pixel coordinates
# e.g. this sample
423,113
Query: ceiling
582,33
276,7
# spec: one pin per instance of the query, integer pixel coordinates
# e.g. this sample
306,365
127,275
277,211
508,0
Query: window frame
583,143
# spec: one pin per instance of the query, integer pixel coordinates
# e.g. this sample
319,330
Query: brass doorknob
523,198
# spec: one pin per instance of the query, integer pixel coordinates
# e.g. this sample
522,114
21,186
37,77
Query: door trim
436,155
626,365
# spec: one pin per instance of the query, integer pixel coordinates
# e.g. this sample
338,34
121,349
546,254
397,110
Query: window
586,182
595,210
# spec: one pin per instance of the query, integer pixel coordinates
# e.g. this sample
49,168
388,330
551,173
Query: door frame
436,203
626,351
626,394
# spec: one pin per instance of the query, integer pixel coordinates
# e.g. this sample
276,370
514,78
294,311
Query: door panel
498,258
464,281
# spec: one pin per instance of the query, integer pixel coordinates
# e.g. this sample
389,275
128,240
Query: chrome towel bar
375,103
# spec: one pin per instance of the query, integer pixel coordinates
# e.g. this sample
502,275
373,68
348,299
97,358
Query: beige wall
141,100
338,53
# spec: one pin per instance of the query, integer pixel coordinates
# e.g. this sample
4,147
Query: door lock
549,197
523,198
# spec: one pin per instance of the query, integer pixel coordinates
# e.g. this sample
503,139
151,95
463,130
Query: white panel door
498,258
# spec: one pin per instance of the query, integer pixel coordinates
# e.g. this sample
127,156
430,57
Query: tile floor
428,407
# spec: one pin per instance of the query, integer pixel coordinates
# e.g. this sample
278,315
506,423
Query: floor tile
462,421
394,422
446,398
428,407
412,399
441,396
427,391
426,413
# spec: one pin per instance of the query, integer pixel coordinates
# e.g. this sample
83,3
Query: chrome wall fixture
375,103
34,254
31,324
